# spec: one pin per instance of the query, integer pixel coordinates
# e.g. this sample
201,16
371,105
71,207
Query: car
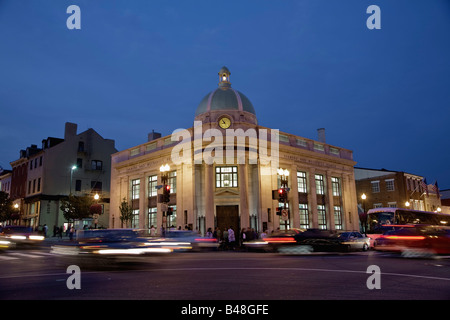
15,236
185,240
317,240
353,240
107,246
416,239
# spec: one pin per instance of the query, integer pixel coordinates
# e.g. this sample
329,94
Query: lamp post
71,176
284,174
364,197
164,169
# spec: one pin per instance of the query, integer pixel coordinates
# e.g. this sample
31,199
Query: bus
382,220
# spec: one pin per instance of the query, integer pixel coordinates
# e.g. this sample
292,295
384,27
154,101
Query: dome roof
224,97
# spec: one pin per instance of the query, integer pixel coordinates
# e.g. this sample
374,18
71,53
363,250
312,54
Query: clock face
224,122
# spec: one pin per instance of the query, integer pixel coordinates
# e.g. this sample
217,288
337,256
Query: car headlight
36,237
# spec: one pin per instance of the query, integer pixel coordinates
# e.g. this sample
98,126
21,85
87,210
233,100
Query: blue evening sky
137,66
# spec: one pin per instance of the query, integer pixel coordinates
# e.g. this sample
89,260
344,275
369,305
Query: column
243,190
312,199
209,196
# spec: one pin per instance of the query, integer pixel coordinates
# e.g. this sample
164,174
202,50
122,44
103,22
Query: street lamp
164,169
364,197
71,175
284,174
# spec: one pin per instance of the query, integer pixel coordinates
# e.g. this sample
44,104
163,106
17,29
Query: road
38,274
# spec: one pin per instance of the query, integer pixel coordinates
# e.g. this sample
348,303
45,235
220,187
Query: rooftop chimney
70,130
321,133
153,135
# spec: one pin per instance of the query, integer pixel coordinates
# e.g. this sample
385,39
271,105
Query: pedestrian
71,232
45,229
209,233
231,237
152,231
61,230
225,239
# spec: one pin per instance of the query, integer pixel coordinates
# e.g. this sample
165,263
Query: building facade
225,171
386,188
79,164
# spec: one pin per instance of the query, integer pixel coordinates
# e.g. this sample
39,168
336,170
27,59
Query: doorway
228,216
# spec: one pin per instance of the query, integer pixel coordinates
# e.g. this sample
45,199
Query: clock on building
224,122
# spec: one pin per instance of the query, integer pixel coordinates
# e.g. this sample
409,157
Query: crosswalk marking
14,255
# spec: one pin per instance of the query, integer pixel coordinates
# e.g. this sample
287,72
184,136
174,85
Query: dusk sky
137,66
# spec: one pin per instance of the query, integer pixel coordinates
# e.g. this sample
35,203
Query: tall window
284,224
152,183
135,219
320,186
336,186
172,219
304,218
226,177
152,218
338,217
135,188
322,216
173,181
301,182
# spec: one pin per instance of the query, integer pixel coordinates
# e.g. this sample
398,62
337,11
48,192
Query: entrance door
228,216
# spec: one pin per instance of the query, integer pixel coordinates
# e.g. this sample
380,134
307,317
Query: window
135,151
79,163
80,146
135,219
301,182
172,219
96,186
152,218
336,186
390,185
304,217
319,147
173,181
135,188
322,216
226,177
320,187
39,185
96,165
40,161
152,183
338,217
375,186
377,205
78,185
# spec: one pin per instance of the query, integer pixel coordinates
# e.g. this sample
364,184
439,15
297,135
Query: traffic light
278,211
166,193
282,195
169,211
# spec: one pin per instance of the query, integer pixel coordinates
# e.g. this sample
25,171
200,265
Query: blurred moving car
317,240
354,241
15,236
185,240
107,245
425,239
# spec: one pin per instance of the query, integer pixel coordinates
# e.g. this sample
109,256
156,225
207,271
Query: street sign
284,214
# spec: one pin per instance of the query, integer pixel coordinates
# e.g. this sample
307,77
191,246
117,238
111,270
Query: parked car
19,236
426,239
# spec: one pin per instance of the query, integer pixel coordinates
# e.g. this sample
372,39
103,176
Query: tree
76,208
7,211
126,212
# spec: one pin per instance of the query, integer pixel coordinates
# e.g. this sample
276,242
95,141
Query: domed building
228,170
